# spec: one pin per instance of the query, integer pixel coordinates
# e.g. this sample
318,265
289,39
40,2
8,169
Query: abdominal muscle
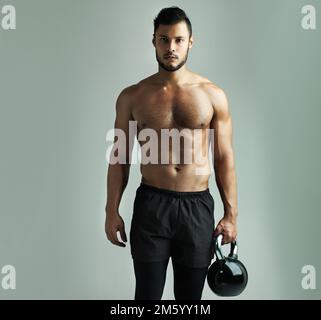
177,177
167,177
177,173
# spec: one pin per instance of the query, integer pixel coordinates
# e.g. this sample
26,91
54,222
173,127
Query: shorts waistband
173,193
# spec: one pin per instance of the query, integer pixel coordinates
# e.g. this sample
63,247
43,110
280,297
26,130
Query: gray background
61,72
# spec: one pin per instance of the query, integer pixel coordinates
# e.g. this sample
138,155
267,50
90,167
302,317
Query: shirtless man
173,210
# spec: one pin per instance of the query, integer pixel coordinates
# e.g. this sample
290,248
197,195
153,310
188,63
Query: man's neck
172,78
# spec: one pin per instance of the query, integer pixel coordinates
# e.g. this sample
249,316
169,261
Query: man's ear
153,40
191,42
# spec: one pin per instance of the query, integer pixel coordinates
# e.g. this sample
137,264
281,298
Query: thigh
193,242
150,230
188,282
150,279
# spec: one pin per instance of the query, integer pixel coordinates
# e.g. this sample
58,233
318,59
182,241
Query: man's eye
179,40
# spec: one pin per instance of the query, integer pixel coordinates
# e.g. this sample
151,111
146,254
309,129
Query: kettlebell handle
218,251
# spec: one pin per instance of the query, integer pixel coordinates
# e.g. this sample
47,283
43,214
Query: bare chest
160,109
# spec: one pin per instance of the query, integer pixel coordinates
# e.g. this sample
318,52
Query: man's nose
172,46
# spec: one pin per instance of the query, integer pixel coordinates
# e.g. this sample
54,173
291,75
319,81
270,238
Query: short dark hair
170,16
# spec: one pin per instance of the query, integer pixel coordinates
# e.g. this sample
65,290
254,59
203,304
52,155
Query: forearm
225,177
117,179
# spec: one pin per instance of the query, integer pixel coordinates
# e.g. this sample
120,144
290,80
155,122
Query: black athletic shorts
167,223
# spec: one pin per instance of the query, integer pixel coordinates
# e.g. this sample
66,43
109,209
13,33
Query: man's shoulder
133,89
209,86
216,95
128,91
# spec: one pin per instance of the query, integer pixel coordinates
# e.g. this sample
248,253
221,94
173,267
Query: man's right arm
118,173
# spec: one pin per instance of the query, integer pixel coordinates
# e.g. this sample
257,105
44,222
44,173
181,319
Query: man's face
172,40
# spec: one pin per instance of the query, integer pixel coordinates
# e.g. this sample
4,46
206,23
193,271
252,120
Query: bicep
222,125
123,111
122,123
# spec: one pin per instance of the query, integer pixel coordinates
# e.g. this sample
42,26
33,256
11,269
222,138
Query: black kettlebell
227,276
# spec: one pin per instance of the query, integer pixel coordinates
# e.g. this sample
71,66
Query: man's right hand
113,223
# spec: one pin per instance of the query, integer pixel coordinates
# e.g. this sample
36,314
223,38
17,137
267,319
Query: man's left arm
224,165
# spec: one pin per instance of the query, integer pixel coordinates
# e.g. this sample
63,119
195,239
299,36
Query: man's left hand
228,228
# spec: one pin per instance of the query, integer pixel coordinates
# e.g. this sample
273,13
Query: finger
123,234
119,243
114,239
233,238
218,230
226,239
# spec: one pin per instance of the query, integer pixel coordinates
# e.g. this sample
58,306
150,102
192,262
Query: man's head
172,37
